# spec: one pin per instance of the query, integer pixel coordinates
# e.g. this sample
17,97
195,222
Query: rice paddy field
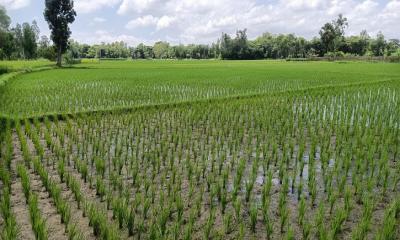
201,150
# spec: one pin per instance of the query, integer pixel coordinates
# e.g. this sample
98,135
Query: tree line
23,42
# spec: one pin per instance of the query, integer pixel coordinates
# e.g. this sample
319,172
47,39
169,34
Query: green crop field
201,150
109,85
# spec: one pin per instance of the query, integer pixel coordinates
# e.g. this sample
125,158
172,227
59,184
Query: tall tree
18,41
4,19
30,38
241,46
378,45
58,14
392,46
340,24
45,49
160,49
332,34
328,35
226,46
6,38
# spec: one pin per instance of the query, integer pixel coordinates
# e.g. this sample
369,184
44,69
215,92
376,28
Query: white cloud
99,20
88,6
15,4
392,11
144,21
304,4
149,20
202,21
164,22
137,5
366,7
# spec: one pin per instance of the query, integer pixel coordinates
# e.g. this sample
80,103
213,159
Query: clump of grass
253,217
338,220
38,223
361,231
25,180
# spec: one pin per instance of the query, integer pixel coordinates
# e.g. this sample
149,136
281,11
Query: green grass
17,65
95,85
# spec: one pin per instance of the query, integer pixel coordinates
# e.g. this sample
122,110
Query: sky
203,21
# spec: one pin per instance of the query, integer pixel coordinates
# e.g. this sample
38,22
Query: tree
392,47
92,52
4,19
45,49
340,25
179,51
226,46
378,45
30,35
58,14
18,41
332,34
74,49
241,45
328,35
357,45
6,37
160,50
237,48
146,52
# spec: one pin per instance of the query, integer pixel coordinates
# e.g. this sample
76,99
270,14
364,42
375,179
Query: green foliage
59,14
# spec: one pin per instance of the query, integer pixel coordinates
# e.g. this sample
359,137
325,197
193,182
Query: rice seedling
9,229
25,180
131,221
253,217
73,233
389,228
38,223
361,231
338,220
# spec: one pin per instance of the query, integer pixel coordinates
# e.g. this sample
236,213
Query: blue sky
202,21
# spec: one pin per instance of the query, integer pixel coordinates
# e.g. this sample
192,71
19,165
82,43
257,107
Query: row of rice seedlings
62,206
24,145
97,217
6,153
38,222
10,229
126,215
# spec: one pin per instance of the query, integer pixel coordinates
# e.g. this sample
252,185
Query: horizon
203,21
